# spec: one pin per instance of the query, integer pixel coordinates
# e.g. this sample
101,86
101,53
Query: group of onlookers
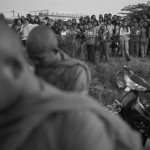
109,35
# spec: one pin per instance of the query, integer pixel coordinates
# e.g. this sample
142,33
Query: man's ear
14,68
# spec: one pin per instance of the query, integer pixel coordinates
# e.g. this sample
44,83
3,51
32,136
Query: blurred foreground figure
35,116
53,65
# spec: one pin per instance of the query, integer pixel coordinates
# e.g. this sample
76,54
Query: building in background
56,14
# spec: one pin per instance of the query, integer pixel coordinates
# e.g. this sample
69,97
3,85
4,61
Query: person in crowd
43,22
54,66
103,44
86,27
22,19
64,32
96,28
119,18
50,24
69,24
81,40
37,20
110,28
74,22
117,28
81,20
144,38
30,18
57,29
90,41
114,19
93,17
145,17
17,27
115,45
134,39
109,16
27,29
124,38
37,116
134,20
105,19
101,21
86,20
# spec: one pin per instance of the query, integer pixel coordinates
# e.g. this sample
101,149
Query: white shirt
125,33
26,30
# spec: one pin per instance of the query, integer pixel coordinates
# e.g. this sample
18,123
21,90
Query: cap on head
41,40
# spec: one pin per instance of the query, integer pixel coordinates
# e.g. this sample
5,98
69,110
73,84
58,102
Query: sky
70,6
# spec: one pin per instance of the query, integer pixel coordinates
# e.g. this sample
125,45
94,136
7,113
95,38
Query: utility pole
13,13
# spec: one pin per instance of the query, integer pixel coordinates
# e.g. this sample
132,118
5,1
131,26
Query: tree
137,10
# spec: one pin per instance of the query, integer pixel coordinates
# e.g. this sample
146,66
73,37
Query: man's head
109,21
44,22
12,66
42,45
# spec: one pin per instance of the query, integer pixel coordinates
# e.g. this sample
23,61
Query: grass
104,86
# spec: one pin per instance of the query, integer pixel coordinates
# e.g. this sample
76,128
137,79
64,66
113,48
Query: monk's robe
51,120
68,74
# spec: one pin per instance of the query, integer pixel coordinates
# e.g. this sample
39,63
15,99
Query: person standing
134,39
26,30
144,37
124,38
103,44
90,41
110,28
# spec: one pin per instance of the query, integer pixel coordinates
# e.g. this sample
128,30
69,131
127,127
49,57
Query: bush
68,45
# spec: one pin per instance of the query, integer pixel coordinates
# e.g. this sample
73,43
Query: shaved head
9,43
41,40
12,66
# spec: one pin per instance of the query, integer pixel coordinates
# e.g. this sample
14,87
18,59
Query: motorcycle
130,107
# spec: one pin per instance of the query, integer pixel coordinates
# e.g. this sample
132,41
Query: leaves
138,9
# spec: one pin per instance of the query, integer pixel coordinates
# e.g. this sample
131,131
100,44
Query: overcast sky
75,6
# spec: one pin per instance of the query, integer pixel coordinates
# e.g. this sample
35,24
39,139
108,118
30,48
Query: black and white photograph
74,75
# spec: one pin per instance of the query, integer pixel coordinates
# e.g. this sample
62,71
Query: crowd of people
109,35
48,107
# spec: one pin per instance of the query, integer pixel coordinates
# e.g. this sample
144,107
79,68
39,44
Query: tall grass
104,86
105,77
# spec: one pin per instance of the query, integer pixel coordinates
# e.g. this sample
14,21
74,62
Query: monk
53,65
36,116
